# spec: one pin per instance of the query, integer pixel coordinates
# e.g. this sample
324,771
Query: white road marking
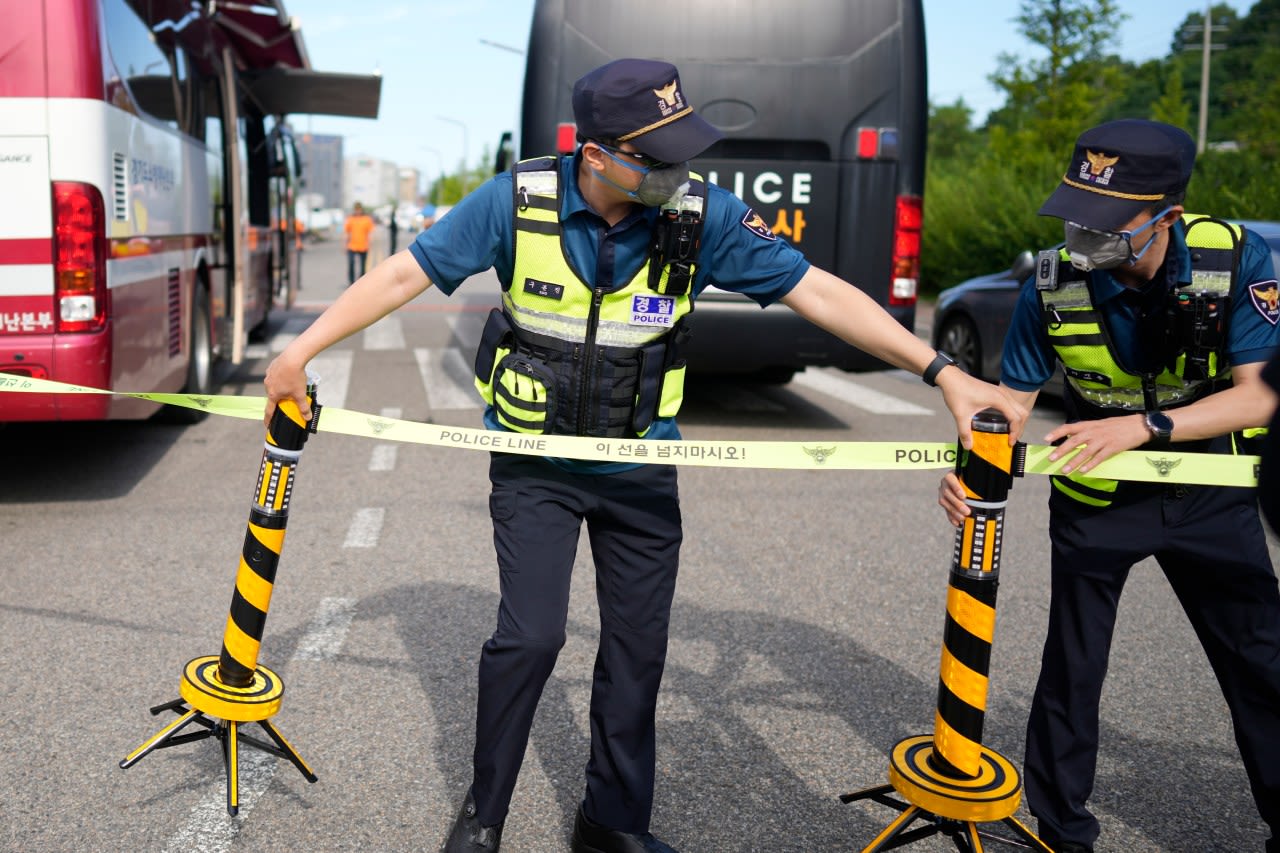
365,528
383,456
209,829
448,379
854,394
386,334
328,629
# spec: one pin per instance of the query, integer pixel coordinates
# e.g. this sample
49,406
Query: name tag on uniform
543,288
647,310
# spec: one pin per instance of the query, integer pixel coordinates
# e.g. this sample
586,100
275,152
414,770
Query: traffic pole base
951,806
222,710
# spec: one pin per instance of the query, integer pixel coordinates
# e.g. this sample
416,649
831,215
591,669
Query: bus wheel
199,365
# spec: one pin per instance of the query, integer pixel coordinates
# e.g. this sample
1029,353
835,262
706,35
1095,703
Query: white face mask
660,183
1093,249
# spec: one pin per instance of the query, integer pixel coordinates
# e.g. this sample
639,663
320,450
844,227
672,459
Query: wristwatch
930,375
1160,426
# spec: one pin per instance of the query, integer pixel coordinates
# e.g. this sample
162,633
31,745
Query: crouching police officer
1162,322
600,256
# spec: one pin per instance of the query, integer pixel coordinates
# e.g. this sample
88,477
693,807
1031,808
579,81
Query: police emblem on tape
753,223
1163,466
648,310
1266,298
820,454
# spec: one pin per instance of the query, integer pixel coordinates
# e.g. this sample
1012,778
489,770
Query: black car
971,320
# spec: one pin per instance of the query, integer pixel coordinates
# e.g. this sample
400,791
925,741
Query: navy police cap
640,101
1119,169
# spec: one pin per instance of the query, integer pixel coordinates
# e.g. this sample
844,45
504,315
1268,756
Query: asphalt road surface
804,644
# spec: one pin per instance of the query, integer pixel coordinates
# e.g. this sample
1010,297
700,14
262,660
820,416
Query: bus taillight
908,219
80,263
566,137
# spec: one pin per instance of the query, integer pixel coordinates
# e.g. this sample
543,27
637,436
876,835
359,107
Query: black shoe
468,836
589,837
1071,847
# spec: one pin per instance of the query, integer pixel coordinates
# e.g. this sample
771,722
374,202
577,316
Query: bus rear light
877,143
908,221
566,137
868,143
79,257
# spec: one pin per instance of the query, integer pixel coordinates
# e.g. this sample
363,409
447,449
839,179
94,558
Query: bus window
258,171
143,76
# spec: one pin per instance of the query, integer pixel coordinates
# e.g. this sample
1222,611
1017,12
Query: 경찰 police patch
753,223
647,310
1266,298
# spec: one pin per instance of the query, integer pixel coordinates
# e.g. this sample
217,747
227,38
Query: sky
452,76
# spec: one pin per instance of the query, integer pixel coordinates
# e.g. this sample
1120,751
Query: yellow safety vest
1086,352
563,356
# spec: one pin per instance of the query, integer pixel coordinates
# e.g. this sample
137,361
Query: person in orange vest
359,226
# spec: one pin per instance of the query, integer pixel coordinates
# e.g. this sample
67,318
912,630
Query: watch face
1160,424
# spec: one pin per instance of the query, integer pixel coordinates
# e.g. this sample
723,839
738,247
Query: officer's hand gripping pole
950,779
222,692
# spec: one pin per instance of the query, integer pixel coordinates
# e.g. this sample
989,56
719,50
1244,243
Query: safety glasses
642,160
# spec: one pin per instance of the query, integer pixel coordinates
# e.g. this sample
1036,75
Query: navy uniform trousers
1210,545
633,525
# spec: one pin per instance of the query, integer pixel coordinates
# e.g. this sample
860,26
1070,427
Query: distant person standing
393,228
359,226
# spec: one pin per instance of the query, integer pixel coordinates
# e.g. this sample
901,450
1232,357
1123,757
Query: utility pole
1206,49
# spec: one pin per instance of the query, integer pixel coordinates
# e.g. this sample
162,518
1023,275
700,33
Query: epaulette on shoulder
537,164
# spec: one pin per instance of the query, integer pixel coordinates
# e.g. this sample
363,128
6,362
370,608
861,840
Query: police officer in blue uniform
600,255
1162,322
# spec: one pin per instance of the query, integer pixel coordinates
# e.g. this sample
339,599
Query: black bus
823,106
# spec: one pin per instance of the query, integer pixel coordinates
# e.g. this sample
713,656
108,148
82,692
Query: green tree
951,133
1172,107
980,209
1050,98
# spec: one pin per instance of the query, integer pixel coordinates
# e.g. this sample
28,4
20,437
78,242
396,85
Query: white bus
149,183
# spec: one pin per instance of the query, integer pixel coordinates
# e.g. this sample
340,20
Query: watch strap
930,375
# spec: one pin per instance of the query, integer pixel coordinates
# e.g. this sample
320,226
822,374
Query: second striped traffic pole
949,779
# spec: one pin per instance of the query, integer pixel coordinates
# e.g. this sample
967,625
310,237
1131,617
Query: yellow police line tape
1210,469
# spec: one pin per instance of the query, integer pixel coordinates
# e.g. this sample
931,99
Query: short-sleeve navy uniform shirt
479,233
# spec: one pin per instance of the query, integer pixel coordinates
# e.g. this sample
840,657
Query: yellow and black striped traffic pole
221,692
949,778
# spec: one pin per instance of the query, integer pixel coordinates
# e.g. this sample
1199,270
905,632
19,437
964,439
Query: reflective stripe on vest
589,361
